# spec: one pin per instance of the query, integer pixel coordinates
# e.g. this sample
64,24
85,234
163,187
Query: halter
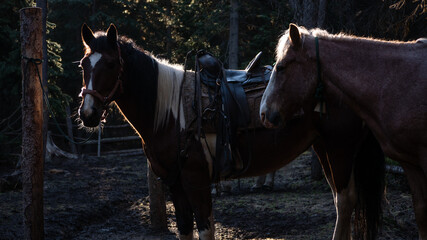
107,99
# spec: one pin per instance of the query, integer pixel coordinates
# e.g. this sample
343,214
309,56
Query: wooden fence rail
114,139
100,139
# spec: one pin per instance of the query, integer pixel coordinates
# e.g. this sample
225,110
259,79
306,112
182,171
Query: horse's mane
169,76
100,44
323,34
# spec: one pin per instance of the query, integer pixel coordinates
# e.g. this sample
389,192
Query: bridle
109,98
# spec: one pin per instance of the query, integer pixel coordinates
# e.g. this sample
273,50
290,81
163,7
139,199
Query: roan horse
147,91
383,82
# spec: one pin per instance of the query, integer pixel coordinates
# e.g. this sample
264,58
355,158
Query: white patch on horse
263,108
94,59
89,99
273,105
206,235
209,149
168,89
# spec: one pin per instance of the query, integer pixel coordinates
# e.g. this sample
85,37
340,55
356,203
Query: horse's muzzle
90,118
270,119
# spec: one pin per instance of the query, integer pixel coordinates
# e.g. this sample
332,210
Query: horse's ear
112,35
294,35
87,34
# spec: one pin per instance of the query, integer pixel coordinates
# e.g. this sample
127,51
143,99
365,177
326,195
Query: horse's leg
201,202
418,183
197,181
269,181
183,212
205,227
266,181
344,200
260,180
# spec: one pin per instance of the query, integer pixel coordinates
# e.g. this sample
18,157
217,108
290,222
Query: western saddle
228,111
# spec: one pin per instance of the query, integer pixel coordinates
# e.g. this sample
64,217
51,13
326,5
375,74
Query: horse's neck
373,78
354,64
150,99
137,102
362,68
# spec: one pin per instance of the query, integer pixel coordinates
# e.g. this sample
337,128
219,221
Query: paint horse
147,91
383,82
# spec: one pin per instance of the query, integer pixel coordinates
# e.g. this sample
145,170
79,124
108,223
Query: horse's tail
369,175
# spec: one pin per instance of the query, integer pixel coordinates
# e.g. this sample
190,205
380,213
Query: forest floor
107,198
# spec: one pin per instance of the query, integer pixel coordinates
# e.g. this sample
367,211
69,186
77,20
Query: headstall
119,85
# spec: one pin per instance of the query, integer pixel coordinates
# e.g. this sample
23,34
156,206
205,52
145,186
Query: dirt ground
106,198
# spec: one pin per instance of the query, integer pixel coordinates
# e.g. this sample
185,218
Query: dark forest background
170,28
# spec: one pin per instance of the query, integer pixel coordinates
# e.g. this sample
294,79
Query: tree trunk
233,58
157,201
32,123
296,6
309,13
43,5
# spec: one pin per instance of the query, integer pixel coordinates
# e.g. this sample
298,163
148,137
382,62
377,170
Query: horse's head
290,92
102,68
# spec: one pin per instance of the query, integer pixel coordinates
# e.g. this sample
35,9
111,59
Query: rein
119,84
320,85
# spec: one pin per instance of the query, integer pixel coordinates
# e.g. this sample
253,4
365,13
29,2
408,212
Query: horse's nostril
94,111
262,117
270,120
274,118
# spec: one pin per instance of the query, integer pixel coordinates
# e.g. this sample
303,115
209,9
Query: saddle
228,112
211,70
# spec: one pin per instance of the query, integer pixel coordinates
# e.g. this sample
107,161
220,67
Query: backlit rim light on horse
168,93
